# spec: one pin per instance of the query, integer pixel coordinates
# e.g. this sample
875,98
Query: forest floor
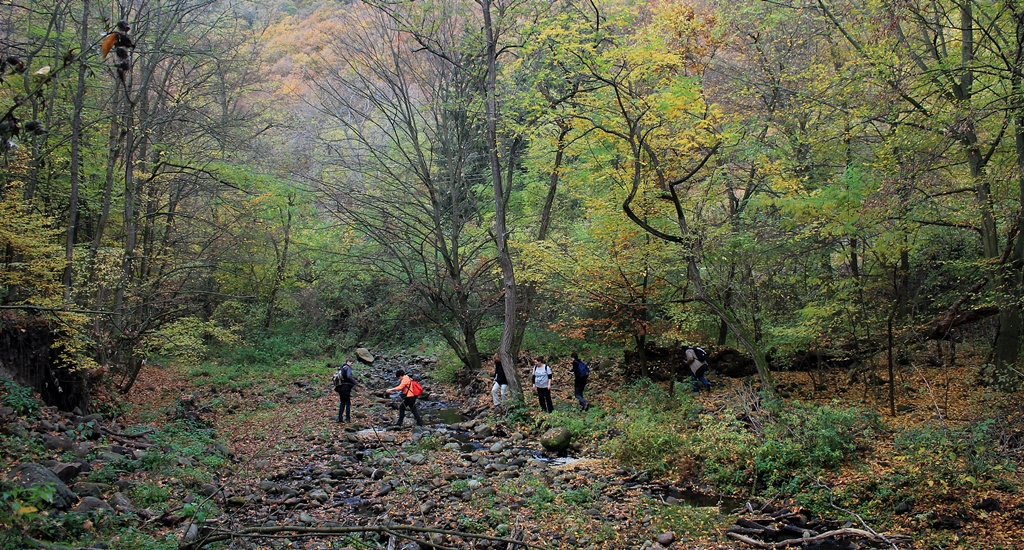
271,441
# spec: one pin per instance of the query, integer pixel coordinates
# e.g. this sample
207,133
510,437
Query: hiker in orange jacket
408,398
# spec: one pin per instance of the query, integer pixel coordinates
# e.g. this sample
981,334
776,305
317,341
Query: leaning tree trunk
500,231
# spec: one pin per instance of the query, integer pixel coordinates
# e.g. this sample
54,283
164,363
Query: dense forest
825,186
841,180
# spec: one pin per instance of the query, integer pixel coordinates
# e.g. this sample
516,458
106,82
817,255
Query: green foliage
19,398
427,443
806,439
448,365
131,537
276,351
21,512
583,496
725,448
198,512
950,458
650,438
150,495
646,444
179,439
108,472
185,340
582,425
685,520
30,259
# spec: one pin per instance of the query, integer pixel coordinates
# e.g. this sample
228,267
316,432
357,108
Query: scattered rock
33,475
364,355
90,504
122,503
89,489
66,472
556,439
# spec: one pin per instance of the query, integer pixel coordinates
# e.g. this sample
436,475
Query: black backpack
343,380
699,352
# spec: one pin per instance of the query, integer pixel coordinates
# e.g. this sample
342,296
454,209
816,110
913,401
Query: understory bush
802,440
725,448
648,425
280,347
775,446
19,398
941,459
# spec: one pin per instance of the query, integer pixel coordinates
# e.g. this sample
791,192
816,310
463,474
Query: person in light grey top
542,382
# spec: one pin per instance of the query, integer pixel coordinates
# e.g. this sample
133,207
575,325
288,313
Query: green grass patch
150,495
803,440
684,520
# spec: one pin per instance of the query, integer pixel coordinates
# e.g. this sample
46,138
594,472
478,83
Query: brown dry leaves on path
287,433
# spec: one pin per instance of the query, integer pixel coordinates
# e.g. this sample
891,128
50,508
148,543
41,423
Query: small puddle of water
445,416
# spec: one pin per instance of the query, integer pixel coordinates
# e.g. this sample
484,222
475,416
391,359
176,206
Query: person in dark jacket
499,390
580,373
343,384
698,369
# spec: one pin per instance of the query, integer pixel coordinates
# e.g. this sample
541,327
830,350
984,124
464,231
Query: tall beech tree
406,147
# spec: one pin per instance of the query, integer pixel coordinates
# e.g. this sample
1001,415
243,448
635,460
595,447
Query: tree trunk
282,262
76,171
529,291
500,232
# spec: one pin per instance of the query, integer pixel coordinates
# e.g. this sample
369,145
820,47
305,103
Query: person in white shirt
542,382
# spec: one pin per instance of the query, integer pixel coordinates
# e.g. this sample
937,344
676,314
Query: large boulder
32,475
364,355
556,439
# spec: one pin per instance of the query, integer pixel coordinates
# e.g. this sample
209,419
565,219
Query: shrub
186,339
803,439
148,495
941,459
19,398
725,448
686,520
649,427
587,425
583,496
20,512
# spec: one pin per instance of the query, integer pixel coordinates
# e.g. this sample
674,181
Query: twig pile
785,527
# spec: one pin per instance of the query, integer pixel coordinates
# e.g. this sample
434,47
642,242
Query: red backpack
415,389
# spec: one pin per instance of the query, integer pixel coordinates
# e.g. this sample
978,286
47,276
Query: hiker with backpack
410,390
542,382
580,372
697,360
343,384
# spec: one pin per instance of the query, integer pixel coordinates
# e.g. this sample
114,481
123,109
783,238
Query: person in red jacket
408,399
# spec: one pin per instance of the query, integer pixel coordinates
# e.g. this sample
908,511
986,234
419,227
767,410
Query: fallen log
837,533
